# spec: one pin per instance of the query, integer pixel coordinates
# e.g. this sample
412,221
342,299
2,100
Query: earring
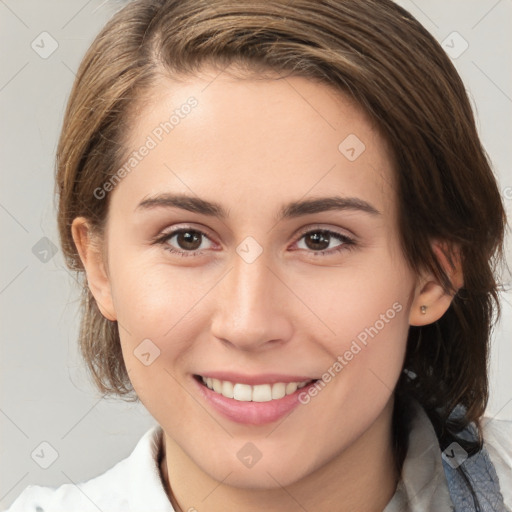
423,309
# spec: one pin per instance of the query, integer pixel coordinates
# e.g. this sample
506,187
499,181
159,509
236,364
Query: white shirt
134,484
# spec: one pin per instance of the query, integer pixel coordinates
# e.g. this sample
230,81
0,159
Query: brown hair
372,51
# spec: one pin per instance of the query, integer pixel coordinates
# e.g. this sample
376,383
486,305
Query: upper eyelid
344,232
186,227
298,235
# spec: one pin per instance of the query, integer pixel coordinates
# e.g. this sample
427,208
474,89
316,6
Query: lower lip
251,413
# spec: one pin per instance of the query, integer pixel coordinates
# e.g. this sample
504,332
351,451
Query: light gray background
45,394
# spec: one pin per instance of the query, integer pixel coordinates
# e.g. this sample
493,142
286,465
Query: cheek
160,311
364,325
151,300
361,302
368,314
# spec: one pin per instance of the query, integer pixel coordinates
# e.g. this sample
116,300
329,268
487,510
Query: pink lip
251,413
253,380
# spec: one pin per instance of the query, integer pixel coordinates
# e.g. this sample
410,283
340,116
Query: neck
363,477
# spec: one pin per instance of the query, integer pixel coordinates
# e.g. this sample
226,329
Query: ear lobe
92,259
430,304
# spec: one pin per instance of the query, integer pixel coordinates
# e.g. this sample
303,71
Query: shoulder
118,489
497,436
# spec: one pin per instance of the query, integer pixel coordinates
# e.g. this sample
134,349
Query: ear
431,301
91,255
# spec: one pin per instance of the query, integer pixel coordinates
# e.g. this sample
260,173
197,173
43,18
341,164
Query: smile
247,393
252,400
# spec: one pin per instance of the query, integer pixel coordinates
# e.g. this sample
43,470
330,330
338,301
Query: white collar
146,489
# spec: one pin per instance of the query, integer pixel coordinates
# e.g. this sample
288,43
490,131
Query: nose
252,309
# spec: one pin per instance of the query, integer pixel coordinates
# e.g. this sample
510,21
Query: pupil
317,237
187,238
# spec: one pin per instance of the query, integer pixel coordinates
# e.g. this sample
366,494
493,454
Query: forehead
253,138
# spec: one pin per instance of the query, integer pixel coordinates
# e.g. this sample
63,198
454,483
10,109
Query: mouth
247,393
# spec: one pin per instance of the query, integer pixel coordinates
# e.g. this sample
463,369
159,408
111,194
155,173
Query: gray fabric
482,475
432,480
478,470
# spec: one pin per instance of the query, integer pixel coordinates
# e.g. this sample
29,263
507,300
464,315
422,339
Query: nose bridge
247,314
251,281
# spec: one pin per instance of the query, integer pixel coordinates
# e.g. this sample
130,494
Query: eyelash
348,243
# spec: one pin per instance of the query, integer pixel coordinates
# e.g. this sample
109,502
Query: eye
188,240
319,240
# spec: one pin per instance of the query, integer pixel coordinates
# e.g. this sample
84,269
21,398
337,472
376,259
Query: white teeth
242,392
278,390
262,393
227,389
217,385
258,393
291,387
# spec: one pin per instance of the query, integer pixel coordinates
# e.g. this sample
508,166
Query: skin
253,145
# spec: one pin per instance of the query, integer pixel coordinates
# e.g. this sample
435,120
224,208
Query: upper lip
253,380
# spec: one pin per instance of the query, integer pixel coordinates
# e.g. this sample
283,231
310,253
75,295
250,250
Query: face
293,274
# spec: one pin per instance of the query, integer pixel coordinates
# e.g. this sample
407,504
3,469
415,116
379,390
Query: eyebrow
288,211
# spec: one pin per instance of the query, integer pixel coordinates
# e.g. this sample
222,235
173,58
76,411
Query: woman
287,229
